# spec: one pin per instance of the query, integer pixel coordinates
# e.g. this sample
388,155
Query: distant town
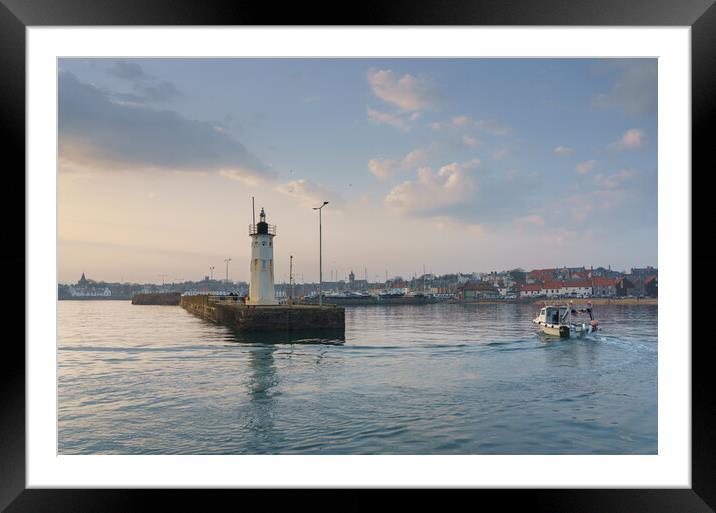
515,284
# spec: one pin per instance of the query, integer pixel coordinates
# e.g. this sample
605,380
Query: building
624,287
604,287
473,290
577,288
531,290
261,285
651,286
540,275
88,288
642,273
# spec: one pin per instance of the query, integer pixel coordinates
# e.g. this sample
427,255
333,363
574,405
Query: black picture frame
16,15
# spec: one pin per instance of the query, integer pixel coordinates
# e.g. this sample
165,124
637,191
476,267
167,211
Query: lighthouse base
241,317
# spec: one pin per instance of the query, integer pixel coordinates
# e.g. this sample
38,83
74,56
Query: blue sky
455,164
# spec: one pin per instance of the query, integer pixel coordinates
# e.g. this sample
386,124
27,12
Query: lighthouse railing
254,231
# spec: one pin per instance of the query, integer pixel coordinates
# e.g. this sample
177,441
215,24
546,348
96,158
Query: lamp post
211,272
227,260
290,279
320,255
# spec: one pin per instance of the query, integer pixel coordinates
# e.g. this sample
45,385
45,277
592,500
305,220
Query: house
473,290
650,286
570,273
530,289
551,288
604,287
624,287
577,288
464,278
540,275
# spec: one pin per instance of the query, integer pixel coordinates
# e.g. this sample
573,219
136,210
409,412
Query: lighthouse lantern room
261,290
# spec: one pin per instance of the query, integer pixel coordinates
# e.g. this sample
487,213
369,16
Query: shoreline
576,301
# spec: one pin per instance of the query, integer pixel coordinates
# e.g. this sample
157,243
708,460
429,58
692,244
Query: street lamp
211,272
320,255
227,260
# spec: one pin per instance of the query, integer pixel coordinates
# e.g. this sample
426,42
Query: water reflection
263,380
264,383
324,336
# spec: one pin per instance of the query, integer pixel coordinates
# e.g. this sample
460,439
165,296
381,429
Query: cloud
386,168
530,220
450,185
99,132
406,92
635,87
563,151
492,126
460,121
585,167
500,153
451,223
632,139
597,201
161,92
308,193
146,86
400,120
487,125
124,70
469,141
615,180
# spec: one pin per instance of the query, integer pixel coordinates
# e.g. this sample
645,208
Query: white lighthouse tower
261,284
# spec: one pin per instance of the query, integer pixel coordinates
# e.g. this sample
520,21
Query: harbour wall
158,298
241,317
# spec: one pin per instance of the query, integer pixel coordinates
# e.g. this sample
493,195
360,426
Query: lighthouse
261,284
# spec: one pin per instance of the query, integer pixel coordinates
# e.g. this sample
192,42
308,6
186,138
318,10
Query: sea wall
243,317
159,298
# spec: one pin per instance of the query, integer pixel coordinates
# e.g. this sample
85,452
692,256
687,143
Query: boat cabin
555,315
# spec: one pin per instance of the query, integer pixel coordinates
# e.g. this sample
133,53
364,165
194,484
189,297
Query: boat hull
556,331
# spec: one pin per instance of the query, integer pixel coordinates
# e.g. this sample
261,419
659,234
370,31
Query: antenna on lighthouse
253,210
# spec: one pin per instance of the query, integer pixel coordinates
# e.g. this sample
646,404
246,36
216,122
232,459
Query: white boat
558,320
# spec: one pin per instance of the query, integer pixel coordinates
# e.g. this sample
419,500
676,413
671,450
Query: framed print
446,276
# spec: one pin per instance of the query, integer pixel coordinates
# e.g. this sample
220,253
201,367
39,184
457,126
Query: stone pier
238,316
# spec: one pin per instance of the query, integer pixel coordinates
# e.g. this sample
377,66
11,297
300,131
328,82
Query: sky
443,165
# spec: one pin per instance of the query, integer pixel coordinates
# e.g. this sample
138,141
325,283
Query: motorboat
561,320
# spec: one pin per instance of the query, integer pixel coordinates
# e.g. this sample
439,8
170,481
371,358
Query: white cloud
633,138
500,153
386,168
307,192
451,223
469,141
246,176
584,205
450,185
487,125
615,180
531,220
585,167
398,120
407,92
492,126
563,151
460,121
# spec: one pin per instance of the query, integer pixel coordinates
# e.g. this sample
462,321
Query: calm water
431,379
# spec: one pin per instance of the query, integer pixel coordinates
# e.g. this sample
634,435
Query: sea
404,379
